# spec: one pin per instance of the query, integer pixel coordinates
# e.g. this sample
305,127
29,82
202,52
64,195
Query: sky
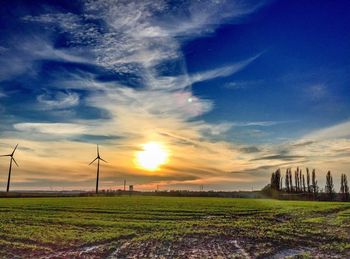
232,90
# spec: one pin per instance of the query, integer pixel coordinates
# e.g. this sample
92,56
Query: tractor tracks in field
187,247
195,246
96,250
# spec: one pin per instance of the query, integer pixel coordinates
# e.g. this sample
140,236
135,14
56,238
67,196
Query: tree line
306,185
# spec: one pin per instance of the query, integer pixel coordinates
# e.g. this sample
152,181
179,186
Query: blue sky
233,89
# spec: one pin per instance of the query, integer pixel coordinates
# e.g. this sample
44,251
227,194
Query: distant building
131,188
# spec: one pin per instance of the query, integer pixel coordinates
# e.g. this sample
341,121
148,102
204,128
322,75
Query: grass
41,226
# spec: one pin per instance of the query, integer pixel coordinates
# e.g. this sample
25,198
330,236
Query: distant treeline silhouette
305,187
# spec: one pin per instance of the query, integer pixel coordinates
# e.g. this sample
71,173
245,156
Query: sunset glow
162,128
175,93
152,156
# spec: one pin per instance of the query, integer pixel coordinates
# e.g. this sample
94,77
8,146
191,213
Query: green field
169,227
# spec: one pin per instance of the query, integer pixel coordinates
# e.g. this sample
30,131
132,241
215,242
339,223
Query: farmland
170,227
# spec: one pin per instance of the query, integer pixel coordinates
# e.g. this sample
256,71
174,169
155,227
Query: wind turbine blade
93,161
98,151
14,149
103,160
15,161
5,155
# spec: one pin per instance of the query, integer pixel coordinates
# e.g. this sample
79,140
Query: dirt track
190,247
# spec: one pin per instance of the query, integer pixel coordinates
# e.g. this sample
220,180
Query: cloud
183,81
280,157
259,123
317,92
341,130
222,72
322,149
2,94
60,100
303,143
28,49
250,149
138,35
216,129
52,128
3,49
240,85
134,40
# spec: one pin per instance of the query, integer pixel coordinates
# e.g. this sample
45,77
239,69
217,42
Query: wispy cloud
132,39
317,92
3,49
185,80
240,85
222,72
148,96
259,123
2,94
58,100
65,129
341,130
141,34
29,49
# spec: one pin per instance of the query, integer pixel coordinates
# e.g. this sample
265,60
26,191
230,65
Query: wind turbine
10,169
98,158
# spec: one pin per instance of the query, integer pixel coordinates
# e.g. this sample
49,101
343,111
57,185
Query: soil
193,247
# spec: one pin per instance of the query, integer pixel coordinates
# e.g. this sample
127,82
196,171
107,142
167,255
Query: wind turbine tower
12,159
98,158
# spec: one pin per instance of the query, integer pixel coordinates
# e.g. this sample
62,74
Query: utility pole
124,185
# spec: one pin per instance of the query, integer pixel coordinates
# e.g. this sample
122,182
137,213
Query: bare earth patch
193,247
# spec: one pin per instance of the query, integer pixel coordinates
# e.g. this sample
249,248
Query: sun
152,156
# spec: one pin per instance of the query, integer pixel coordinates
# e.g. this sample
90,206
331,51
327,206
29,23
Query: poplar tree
281,183
308,180
314,183
286,181
296,179
276,180
344,188
329,188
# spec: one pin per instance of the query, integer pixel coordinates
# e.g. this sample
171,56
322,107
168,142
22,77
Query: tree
290,180
344,188
329,188
281,183
308,180
296,179
304,187
276,180
314,183
286,181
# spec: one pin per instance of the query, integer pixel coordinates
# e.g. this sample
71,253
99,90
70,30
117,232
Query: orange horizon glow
152,157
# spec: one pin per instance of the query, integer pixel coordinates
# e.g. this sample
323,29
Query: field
169,227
